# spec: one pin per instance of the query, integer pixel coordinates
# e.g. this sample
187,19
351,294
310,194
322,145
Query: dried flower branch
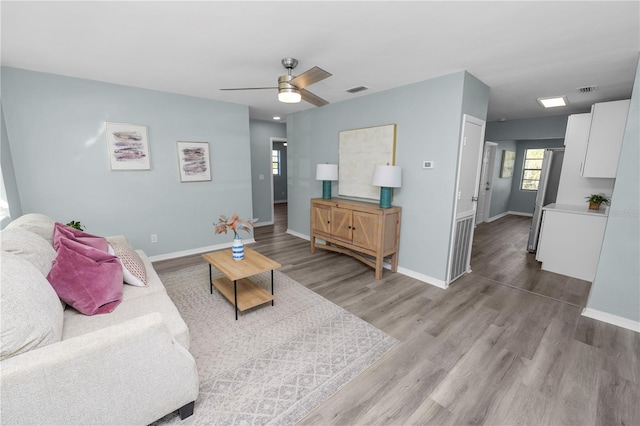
235,224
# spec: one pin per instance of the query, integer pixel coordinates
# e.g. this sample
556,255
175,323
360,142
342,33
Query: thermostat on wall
428,164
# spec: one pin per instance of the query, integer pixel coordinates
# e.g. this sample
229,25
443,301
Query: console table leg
235,297
272,286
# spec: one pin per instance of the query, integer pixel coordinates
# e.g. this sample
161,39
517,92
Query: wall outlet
154,238
428,164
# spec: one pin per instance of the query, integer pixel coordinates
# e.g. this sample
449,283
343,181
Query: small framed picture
193,161
128,146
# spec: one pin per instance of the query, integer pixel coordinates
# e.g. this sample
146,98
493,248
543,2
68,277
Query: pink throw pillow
64,231
86,278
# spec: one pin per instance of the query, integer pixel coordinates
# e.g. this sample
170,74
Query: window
531,170
275,162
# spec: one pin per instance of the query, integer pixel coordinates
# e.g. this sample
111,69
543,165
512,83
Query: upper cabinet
608,120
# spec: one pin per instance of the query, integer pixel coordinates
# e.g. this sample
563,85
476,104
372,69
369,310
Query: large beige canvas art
359,151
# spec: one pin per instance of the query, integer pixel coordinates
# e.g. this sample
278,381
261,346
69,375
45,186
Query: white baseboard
259,224
299,235
422,277
501,215
612,319
200,250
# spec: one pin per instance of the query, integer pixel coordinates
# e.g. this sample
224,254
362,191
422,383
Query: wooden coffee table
235,286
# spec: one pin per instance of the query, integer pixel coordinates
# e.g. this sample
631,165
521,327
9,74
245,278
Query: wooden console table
358,229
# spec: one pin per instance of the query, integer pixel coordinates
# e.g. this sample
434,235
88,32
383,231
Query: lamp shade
387,176
327,172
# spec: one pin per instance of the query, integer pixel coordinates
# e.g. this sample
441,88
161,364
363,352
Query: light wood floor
503,345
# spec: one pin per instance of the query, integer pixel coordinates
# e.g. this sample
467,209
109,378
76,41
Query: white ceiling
521,50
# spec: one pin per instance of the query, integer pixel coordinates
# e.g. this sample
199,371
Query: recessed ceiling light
553,102
276,118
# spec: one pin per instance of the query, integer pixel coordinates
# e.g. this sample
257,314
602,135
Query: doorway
279,176
486,182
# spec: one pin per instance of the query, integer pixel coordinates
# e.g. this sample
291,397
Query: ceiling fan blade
312,98
251,88
309,77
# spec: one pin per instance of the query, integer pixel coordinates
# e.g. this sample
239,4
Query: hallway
500,254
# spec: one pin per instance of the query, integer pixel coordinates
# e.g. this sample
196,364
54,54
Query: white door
469,166
486,182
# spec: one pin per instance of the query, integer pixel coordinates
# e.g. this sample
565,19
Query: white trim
421,277
280,201
200,250
501,215
612,319
257,225
299,235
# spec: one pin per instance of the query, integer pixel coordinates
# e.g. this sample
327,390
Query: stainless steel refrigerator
547,191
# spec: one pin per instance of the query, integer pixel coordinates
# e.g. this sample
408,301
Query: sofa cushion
64,231
36,223
30,312
133,267
29,246
76,324
154,284
86,278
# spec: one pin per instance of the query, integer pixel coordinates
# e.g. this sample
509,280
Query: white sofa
130,366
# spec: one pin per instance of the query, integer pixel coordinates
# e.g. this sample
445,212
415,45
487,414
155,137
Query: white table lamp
326,173
386,177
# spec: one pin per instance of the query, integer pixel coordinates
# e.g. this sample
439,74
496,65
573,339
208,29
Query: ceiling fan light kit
291,89
288,93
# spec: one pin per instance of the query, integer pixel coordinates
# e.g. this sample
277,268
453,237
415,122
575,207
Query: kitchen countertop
570,208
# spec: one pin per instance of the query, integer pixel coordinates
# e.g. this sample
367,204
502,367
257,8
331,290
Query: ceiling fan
291,89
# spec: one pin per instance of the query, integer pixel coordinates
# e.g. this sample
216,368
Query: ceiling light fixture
276,118
553,102
288,93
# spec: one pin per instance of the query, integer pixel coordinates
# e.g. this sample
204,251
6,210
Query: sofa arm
129,373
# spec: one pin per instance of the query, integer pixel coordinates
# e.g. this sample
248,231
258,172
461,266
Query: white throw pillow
31,314
29,246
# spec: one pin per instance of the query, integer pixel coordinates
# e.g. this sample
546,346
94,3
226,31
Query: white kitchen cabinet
573,188
571,239
608,120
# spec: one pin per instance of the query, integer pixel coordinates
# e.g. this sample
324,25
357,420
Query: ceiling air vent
357,89
587,89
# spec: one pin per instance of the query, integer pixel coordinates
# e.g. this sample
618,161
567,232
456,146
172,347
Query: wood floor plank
503,345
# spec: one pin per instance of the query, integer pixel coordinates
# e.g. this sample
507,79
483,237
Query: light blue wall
616,288
501,191
261,134
55,127
552,127
429,118
522,201
8,176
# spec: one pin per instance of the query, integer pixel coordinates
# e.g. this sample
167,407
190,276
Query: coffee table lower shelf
249,294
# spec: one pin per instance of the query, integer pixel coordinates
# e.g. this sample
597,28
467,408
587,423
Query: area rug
275,363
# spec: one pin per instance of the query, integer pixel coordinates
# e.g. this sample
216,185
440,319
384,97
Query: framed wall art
508,161
128,146
193,161
359,151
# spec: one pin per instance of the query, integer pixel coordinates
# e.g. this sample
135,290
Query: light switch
261,177
428,164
